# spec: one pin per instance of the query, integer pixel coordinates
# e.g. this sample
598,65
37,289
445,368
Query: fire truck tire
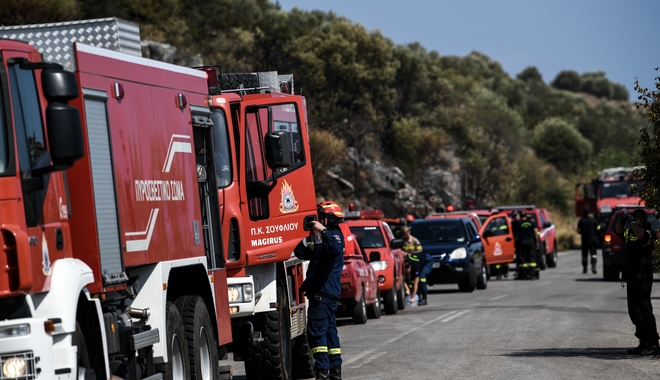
271,358
551,258
391,301
469,282
400,298
234,81
373,311
482,278
178,365
84,370
202,347
303,359
360,311
540,256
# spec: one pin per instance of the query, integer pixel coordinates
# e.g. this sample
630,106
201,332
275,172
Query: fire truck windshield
618,189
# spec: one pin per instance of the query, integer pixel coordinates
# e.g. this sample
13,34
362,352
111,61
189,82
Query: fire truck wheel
178,365
360,311
202,348
78,340
303,358
391,301
271,357
482,278
551,258
374,310
400,298
469,282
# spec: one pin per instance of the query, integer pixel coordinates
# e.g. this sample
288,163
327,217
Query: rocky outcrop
369,184
168,53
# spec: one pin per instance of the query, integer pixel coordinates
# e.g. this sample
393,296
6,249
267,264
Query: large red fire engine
265,211
602,195
109,267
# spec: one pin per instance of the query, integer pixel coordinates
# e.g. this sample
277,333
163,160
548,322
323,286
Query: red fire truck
265,210
114,264
604,193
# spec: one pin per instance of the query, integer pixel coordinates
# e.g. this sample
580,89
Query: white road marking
498,297
455,315
446,315
376,356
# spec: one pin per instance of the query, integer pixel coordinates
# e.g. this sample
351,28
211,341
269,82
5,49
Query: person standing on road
322,287
638,274
527,243
416,259
589,228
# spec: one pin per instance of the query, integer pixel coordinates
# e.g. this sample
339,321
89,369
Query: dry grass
567,235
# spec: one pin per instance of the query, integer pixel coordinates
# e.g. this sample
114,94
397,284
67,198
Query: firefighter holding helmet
322,287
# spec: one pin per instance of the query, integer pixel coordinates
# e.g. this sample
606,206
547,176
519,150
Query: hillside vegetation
516,140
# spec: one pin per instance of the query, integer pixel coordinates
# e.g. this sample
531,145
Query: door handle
508,239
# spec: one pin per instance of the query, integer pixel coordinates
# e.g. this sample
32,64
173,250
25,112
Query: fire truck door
42,193
497,236
279,198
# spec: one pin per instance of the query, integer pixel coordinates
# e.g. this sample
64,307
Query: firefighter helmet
329,207
410,218
639,214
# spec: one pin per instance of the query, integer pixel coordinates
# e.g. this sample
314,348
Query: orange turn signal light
608,238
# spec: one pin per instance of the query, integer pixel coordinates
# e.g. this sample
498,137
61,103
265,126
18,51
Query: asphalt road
567,325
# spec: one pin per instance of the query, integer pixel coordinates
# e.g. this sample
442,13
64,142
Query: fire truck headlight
248,293
11,331
459,253
14,368
380,265
235,293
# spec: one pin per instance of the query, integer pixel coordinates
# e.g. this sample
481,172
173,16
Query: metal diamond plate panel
55,40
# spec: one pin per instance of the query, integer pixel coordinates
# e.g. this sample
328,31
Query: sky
619,37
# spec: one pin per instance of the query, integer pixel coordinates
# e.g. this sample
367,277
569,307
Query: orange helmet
330,207
410,218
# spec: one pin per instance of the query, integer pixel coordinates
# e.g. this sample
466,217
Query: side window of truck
4,133
223,158
285,119
257,170
29,134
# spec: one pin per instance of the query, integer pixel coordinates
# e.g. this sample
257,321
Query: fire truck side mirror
63,122
278,150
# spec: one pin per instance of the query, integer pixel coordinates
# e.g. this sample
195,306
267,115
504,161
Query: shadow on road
594,353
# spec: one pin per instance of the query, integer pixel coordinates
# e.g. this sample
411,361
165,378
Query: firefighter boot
594,270
422,300
335,373
322,374
584,269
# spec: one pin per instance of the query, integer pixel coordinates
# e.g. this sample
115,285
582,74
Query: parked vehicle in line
546,256
614,247
360,295
385,255
457,250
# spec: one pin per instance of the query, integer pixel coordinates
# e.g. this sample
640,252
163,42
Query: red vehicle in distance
384,252
360,296
613,247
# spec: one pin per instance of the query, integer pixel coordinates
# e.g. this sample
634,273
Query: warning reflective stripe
335,351
423,279
532,265
318,349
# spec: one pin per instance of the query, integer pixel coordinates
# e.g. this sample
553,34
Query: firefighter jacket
412,245
326,261
638,260
589,228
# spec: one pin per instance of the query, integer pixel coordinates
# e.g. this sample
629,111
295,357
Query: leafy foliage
514,139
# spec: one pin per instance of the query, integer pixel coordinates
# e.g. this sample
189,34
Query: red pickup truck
385,254
360,295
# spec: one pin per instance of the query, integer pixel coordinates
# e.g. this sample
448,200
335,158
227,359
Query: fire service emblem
289,203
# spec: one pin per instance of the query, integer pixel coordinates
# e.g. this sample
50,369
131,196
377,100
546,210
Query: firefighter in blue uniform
322,287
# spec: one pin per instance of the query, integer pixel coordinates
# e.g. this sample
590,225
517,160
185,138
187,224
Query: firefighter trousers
426,270
640,311
322,332
589,250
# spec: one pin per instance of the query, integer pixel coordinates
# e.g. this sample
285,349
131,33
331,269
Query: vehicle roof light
371,214
607,238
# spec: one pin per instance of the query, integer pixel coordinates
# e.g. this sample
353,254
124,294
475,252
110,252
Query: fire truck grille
17,360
